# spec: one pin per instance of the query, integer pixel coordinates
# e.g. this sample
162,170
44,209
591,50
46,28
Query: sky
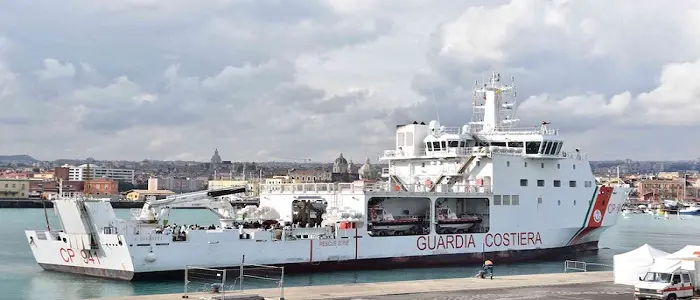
294,79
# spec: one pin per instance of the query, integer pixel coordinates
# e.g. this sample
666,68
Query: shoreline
420,288
38,203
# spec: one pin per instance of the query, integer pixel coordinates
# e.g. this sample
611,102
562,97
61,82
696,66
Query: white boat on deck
533,198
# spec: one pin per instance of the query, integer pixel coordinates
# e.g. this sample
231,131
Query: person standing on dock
488,267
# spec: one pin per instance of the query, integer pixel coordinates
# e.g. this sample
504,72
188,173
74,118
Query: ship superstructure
450,196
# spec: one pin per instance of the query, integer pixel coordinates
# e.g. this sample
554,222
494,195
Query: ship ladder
399,184
463,168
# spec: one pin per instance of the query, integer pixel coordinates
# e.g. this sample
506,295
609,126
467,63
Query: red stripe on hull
597,215
427,261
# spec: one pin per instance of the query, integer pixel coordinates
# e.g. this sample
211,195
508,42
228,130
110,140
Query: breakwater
37,203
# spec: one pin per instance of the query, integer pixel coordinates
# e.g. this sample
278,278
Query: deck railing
380,187
479,151
582,266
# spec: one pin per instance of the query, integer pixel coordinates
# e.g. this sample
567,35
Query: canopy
688,253
628,267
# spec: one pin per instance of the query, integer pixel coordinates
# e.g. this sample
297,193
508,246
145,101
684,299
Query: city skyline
268,79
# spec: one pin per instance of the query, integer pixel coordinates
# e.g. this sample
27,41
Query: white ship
451,196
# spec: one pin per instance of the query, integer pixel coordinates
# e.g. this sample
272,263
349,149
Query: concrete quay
577,286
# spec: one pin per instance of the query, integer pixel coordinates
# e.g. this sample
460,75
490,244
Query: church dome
340,165
216,159
365,171
341,160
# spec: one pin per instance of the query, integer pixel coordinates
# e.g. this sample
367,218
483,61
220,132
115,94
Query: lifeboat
449,222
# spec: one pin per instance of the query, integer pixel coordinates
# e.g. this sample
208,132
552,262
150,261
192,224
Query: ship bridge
491,131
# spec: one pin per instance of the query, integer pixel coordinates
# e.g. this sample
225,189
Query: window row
506,200
541,165
556,183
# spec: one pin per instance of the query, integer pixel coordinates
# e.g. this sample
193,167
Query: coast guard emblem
597,216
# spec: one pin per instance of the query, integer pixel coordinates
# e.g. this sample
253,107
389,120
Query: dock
598,283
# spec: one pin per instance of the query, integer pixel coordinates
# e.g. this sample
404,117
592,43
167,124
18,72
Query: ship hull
424,261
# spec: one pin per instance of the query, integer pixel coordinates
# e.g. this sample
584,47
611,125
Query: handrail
379,187
581,266
451,152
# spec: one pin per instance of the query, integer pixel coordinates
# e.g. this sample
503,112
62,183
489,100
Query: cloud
54,69
266,78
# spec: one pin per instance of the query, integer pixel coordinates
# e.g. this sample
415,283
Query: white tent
688,253
628,267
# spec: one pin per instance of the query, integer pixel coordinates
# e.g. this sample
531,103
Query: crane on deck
157,211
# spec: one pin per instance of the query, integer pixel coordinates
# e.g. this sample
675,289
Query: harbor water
22,278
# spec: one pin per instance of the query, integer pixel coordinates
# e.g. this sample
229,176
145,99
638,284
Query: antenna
437,113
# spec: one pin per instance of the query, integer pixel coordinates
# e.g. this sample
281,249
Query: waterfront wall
29,203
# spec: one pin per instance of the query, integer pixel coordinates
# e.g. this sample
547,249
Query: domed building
215,160
366,172
343,170
340,165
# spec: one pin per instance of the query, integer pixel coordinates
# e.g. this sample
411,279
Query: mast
87,179
492,111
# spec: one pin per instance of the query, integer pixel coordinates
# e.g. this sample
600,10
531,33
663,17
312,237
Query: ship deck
594,284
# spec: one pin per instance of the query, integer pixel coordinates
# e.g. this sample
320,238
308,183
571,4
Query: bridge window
444,145
436,146
462,144
532,147
559,145
548,148
515,144
453,144
429,146
498,144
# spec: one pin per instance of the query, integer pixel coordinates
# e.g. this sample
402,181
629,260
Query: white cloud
314,78
54,69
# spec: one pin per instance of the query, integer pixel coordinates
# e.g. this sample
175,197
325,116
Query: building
659,190
14,188
46,189
61,173
279,180
310,176
44,176
343,170
81,173
215,160
182,184
252,187
101,187
152,191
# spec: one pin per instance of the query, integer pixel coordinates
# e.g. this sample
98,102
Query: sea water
22,278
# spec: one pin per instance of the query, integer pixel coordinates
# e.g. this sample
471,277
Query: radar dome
434,126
